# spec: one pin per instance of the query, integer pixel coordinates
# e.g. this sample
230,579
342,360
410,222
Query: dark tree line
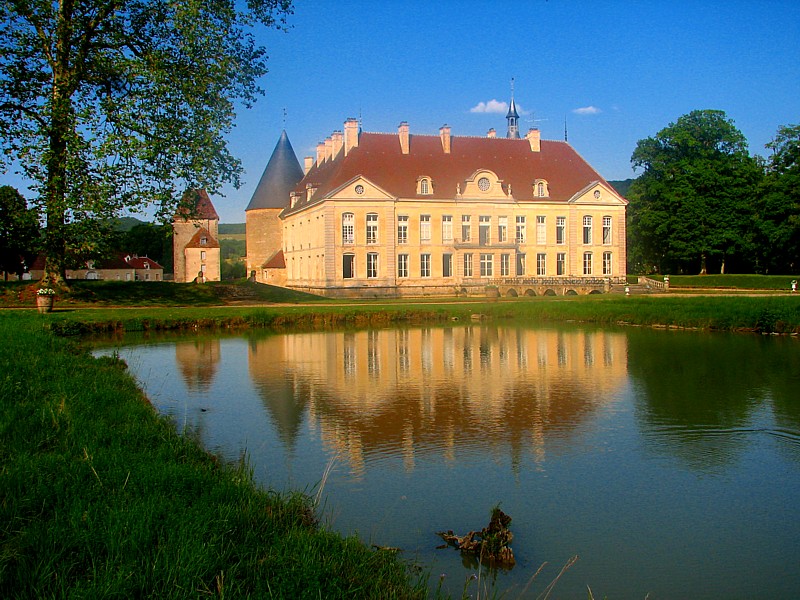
704,204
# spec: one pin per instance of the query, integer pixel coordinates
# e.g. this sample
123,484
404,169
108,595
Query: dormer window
541,189
424,186
203,241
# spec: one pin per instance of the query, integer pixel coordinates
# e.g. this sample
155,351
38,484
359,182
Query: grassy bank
100,497
768,314
732,282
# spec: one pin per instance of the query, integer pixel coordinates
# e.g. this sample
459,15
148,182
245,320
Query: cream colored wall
194,263
313,235
186,268
263,239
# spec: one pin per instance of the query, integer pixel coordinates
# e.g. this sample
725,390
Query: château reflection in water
443,390
641,451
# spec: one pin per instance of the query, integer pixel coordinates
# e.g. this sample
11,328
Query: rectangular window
587,263
484,230
606,231
402,229
468,265
505,265
502,229
520,234
447,228
520,265
541,230
466,228
587,229
402,265
447,265
541,264
372,265
561,263
424,228
425,265
372,228
202,254
348,228
561,230
487,265
606,263
348,266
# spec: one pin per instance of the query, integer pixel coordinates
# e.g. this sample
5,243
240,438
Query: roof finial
565,128
512,116
284,117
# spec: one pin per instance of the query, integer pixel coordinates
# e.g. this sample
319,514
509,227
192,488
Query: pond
668,462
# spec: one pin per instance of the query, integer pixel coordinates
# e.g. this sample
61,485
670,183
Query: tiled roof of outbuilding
378,157
203,208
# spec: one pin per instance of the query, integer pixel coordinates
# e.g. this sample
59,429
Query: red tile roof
203,207
201,233
378,158
276,262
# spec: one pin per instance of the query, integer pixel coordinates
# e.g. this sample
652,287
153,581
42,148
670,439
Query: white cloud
587,110
492,106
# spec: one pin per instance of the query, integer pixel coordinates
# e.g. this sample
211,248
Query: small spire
512,116
565,128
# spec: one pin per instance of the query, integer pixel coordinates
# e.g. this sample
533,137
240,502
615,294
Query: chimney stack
402,131
320,153
308,162
444,134
338,142
328,148
534,138
350,135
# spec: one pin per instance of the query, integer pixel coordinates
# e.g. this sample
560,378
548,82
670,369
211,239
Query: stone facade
195,240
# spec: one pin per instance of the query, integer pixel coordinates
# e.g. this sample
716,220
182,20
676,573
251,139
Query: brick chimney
338,142
328,148
308,163
350,135
534,138
402,131
444,134
320,153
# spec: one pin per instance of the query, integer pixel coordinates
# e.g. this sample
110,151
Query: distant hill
622,187
127,223
231,228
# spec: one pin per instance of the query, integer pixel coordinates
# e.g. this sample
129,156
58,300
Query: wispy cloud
492,106
587,110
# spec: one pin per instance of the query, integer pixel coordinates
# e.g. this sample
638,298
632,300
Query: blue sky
618,71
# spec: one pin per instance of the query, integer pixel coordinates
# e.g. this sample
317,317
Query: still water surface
669,462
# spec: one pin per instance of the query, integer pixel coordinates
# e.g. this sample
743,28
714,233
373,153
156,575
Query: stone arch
570,293
595,292
550,292
530,292
512,293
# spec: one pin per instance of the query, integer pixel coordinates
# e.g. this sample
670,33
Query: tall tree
19,232
112,104
691,206
778,204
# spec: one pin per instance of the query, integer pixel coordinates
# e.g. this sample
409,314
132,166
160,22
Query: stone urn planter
44,302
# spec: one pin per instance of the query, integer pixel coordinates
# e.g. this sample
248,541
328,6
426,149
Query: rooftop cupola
512,117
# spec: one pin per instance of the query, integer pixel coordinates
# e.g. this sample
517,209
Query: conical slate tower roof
281,175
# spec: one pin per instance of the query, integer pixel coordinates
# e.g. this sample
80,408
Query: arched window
423,187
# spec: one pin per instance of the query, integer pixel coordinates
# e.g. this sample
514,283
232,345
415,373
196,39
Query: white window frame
424,228
402,266
425,265
348,229
487,265
587,230
587,263
372,228
352,258
505,265
541,263
607,231
372,265
402,229
561,230
447,228
561,263
468,265
541,229
502,229
607,263
466,228
520,231
447,265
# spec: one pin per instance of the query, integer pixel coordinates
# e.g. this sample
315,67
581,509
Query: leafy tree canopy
19,232
113,104
692,202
